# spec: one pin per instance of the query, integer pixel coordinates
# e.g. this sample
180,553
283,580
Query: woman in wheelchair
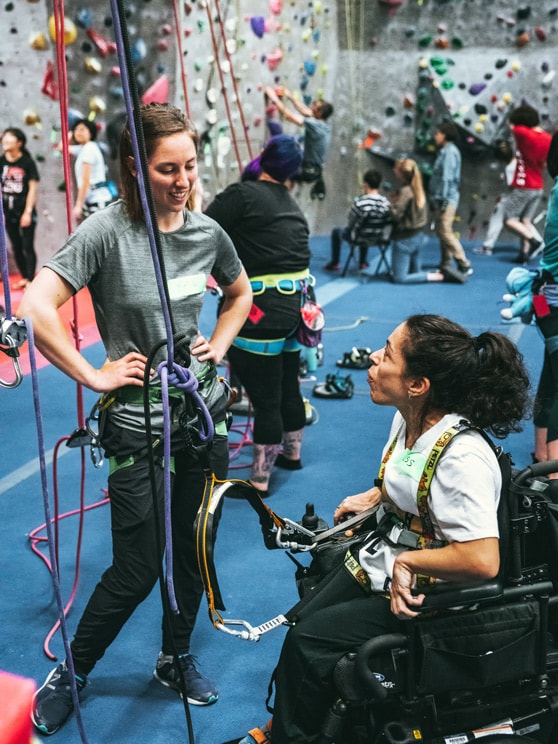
442,380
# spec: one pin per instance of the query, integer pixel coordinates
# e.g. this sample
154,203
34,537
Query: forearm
54,343
466,561
31,199
85,184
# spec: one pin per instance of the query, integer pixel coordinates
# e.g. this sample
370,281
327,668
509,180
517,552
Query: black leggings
22,240
136,560
273,388
338,619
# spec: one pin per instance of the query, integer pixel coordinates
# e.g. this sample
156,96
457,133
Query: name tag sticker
410,463
185,286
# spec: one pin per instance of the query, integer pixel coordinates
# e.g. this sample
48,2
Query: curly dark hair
480,377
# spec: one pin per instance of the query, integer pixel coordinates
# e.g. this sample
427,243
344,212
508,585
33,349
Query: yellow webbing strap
204,528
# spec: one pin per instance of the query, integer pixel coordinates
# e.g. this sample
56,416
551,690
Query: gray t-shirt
112,257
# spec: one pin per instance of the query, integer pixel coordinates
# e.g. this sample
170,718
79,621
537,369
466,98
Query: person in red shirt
521,204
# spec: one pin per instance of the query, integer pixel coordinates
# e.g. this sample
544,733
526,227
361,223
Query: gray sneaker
53,702
199,689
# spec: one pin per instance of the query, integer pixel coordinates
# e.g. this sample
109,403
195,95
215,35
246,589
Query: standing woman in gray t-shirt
110,254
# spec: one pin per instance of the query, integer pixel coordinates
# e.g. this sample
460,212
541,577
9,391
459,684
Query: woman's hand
203,350
129,370
25,220
402,599
357,504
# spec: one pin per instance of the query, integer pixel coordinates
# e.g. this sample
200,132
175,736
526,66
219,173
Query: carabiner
14,354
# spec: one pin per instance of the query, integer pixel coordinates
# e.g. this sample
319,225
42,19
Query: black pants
337,620
546,400
136,560
22,240
274,391
340,234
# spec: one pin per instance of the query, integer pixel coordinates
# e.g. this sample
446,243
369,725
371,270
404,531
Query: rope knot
179,377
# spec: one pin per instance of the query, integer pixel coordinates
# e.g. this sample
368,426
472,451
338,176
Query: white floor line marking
333,290
30,468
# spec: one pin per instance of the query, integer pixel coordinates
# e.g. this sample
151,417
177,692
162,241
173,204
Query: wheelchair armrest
444,595
370,681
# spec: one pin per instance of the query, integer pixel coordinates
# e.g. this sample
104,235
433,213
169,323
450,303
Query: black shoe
465,269
521,258
453,275
199,689
53,702
283,462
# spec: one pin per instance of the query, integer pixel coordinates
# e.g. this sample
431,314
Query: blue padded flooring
123,703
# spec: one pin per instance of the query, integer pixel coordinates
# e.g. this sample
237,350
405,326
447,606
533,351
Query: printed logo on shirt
186,286
13,178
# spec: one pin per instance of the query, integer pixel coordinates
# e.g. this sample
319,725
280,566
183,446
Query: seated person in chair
368,216
435,373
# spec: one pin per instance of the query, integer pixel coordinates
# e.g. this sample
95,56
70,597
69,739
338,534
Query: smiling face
387,376
173,171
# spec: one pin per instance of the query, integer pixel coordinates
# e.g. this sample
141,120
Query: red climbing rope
233,78
223,86
59,25
181,57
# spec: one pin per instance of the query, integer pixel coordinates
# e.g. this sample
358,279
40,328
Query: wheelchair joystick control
311,521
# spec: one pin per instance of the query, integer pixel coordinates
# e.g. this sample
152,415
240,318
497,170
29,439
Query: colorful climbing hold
38,41
70,30
257,24
476,88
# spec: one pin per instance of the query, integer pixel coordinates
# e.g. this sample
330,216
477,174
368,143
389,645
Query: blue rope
168,371
152,230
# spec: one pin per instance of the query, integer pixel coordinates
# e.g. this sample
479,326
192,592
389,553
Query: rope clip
302,540
250,633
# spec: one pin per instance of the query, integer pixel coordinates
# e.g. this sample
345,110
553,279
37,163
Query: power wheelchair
482,659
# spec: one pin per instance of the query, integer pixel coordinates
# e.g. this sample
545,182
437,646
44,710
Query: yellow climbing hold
70,30
38,41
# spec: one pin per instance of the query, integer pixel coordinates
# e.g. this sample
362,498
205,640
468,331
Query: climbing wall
232,51
31,99
391,68
404,65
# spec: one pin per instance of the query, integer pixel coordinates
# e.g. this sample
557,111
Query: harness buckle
306,542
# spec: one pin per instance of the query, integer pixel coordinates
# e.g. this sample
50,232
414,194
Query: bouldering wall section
391,68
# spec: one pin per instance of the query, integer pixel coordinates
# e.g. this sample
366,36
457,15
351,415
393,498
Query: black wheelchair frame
482,659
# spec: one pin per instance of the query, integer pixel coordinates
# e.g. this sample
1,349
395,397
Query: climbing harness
284,533
278,532
284,283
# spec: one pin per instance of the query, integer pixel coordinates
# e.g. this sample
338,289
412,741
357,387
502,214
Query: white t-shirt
464,492
89,153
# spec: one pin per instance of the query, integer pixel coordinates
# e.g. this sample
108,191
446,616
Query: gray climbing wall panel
390,68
